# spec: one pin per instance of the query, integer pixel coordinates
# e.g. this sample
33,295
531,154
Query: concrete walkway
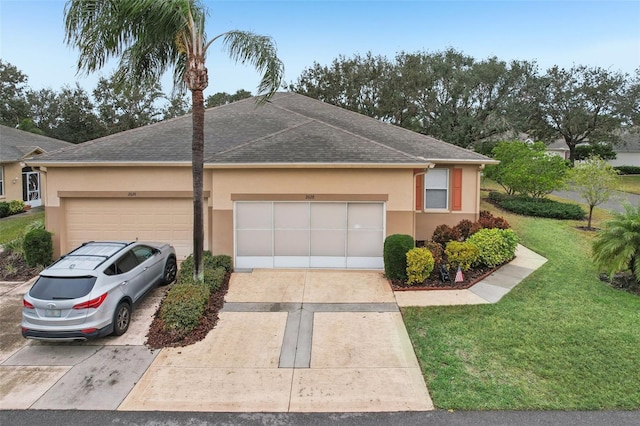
293,341
489,290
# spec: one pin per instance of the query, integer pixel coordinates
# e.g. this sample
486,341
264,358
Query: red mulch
159,338
471,277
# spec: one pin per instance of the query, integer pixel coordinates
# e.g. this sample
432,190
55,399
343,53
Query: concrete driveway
94,375
293,341
286,341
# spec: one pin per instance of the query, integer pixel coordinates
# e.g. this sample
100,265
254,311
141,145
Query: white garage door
309,235
145,219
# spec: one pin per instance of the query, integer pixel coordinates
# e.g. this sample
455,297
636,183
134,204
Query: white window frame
446,187
1,181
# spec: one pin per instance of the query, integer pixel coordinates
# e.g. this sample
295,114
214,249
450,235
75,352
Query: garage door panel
309,234
364,243
291,242
328,243
254,243
149,219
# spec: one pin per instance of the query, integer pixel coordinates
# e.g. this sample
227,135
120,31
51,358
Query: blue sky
596,33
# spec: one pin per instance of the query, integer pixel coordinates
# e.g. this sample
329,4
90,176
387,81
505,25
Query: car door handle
146,267
124,283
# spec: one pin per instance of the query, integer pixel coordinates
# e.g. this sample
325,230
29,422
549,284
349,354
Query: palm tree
150,37
617,246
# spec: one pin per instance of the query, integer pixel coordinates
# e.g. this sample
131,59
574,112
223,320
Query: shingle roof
290,128
16,144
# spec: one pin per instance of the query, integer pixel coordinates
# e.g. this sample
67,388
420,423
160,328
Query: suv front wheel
170,271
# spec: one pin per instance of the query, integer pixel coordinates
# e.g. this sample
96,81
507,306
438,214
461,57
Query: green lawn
560,340
631,183
13,227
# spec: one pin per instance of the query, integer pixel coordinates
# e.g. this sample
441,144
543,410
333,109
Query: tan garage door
309,234
145,219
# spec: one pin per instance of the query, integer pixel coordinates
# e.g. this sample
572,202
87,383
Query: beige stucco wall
396,187
427,221
12,191
311,184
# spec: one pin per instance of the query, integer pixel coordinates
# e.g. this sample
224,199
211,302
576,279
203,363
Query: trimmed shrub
38,247
462,254
487,220
419,265
437,252
218,261
183,307
16,206
496,246
543,207
628,170
466,228
4,209
444,233
396,247
213,278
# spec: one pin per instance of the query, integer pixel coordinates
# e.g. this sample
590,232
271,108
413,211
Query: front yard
562,339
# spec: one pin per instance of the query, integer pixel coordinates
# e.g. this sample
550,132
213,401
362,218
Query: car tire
170,271
121,319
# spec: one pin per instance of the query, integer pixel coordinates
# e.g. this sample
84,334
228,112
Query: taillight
93,303
27,304
88,330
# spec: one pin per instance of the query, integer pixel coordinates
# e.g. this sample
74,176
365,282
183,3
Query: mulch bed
13,267
159,338
471,277
622,281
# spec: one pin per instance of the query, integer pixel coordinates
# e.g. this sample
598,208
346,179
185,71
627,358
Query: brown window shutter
419,190
457,190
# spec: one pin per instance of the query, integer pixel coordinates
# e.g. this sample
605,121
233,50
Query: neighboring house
293,183
17,180
627,151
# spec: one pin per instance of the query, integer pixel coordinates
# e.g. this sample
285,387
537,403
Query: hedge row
539,207
628,170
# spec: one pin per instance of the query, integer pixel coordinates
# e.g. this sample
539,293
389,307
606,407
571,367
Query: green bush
38,247
628,170
183,307
209,261
444,233
213,278
496,246
4,209
16,206
395,256
542,207
218,261
419,265
462,254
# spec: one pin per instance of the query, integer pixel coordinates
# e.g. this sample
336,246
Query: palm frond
260,52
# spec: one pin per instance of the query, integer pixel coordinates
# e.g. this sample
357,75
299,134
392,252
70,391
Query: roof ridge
355,134
253,141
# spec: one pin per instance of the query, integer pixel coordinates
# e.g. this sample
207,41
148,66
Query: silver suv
91,291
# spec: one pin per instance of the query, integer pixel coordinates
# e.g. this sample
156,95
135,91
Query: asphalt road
436,418
615,203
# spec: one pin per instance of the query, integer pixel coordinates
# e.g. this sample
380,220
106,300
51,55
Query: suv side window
143,253
126,263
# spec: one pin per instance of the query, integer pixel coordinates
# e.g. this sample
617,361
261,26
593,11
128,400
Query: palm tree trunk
197,148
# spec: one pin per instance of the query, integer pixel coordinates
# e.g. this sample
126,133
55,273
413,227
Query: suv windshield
57,288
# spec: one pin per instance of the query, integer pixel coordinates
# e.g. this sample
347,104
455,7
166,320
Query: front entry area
283,234
31,187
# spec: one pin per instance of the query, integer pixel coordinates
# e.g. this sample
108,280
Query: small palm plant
617,247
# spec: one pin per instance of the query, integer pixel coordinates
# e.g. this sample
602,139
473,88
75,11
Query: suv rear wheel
121,319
